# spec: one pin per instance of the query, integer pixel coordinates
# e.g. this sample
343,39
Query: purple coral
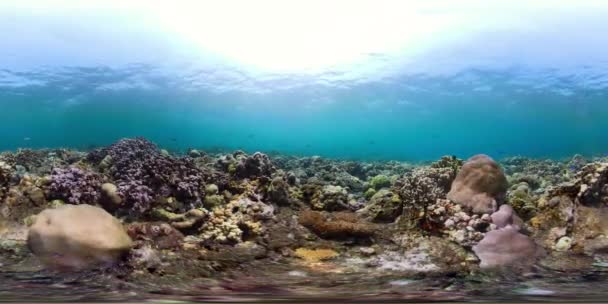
256,165
75,185
142,174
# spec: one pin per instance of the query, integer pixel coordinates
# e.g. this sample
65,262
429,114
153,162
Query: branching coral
420,189
5,177
238,221
143,174
75,185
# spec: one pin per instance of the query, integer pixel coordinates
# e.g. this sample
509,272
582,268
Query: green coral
369,193
212,201
380,181
384,206
522,201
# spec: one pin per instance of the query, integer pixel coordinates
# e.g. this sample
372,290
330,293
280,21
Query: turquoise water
410,118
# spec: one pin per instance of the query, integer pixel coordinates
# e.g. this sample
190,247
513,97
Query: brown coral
480,185
335,225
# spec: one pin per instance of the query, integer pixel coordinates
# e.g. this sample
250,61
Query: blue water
505,80
409,118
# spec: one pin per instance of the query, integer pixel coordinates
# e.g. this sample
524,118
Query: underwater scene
303,151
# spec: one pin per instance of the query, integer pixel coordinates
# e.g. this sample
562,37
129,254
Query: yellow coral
315,255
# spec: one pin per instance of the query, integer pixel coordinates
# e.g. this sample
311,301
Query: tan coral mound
480,185
74,237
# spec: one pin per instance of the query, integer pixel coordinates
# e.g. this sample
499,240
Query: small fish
251,136
173,139
26,138
372,142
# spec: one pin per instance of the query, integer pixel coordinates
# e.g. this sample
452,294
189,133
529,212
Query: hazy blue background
405,80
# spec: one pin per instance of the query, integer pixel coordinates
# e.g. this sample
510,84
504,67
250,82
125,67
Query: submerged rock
77,237
479,185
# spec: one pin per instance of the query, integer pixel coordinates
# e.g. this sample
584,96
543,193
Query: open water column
303,150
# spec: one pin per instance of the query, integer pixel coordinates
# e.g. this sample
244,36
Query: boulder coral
506,246
74,237
480,185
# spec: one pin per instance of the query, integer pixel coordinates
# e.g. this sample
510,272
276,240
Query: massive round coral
480,185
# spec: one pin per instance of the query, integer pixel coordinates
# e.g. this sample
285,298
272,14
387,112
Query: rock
563,244
145,257
479,185
384,206
506,247
109,196
77,237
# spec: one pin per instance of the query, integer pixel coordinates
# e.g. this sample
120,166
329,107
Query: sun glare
296,36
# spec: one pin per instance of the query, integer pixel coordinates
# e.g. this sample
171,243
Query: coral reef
480,185
143,174
453,222
5,178
419,189
197,212
383,206
155,235
380,181
75,185
330,198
